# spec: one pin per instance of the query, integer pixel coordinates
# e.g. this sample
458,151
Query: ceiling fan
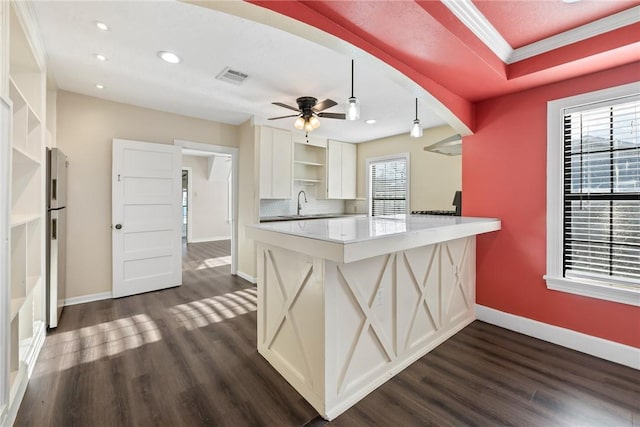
308,112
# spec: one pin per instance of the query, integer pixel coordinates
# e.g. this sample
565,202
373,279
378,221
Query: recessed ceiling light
170,57
102,26
370,121
99,86
570,1
100,57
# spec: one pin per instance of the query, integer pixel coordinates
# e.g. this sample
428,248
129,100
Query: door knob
118,226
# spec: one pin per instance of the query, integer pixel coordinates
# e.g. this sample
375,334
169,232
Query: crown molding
479,25
592,29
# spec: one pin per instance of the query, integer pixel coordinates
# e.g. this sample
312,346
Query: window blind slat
389,187
602,191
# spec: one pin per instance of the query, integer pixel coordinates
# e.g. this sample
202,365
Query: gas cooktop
445,213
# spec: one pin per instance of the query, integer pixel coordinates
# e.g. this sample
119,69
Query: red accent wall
504,176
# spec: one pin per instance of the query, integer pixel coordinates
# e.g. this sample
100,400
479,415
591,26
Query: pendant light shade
416,129
353,103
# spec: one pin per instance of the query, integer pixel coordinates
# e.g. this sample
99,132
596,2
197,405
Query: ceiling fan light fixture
299,123
353,103
416,129
308,127
314,122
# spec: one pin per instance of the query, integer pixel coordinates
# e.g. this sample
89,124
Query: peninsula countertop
354,238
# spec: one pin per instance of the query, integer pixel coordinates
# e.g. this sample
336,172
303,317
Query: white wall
248,204
210,198
85,129
434,178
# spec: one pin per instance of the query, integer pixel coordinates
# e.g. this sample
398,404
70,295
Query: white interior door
146,217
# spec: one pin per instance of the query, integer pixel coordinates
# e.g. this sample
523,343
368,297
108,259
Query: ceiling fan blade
340,116
280,104
327,103
283,117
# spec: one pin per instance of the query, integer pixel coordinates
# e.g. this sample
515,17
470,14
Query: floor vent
232,76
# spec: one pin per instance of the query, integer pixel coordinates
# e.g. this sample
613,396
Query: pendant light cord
416,108
352,78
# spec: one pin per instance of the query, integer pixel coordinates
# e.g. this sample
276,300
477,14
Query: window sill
594,289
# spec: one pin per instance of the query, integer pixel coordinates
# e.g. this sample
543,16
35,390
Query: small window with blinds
601,203
388,186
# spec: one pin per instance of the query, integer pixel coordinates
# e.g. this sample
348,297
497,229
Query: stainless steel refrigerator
56,234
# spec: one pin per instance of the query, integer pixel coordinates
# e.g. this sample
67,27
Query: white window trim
370,160
601,289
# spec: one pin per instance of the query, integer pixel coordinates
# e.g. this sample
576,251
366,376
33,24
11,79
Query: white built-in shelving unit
26,272
309,158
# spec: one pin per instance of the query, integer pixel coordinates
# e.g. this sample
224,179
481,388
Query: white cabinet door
282,162
334,170
276,164
348,171
146,215
266,162
341,170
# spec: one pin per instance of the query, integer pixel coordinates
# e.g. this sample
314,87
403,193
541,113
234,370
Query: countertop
351,238
294,217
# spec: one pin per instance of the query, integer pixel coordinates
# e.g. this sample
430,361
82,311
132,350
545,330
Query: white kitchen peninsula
346,303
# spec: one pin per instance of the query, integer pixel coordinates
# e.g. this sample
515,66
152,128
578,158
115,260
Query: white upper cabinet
341,170
276,160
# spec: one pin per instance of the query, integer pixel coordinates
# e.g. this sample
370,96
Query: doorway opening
186,205
210,201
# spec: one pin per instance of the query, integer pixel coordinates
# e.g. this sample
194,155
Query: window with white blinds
601,206
388,185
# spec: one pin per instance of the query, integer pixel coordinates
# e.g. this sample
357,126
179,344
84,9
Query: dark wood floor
186,357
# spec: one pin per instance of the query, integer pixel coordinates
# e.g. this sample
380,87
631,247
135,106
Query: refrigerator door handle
54,189
54,229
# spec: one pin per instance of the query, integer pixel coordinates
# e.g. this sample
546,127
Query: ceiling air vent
232,76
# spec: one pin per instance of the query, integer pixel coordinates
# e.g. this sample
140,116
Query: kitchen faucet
305,200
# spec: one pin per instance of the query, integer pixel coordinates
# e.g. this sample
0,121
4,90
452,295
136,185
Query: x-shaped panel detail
422,289
286,313
458,282
370,320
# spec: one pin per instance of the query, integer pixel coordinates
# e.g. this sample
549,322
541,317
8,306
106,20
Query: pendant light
353,103
416,129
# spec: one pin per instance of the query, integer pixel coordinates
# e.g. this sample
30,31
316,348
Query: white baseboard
598,347
209,239
248,278
87,298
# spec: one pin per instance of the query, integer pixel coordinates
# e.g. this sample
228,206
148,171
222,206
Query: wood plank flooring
187,357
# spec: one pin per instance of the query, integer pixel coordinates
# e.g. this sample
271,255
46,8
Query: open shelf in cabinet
18,263
27,193
18,219
23,158
308,164
300,162
25,327
308,181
